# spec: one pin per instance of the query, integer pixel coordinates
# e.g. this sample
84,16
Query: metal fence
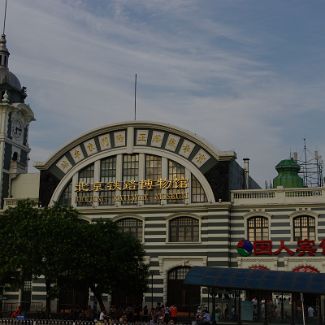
13,321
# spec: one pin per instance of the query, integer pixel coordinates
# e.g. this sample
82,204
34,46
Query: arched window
135,179
304,228
306,269
197,192
184,229
132,226
258,228
66,195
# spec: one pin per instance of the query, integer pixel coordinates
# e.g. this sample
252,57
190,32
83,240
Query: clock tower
15,117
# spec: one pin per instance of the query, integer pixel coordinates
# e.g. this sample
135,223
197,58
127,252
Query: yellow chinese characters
133,185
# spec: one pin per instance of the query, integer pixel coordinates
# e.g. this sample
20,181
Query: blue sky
246,75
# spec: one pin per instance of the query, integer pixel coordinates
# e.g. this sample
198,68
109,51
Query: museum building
189,203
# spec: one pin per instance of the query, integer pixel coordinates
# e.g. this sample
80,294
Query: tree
56,243
17,254
57,240
109,259
37,242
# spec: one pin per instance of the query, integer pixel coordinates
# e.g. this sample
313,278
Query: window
132,226
178,273
198,194
115,180
258,228
304,228
107,174
175,171
130,172
184,229
66,195
152,172
86,176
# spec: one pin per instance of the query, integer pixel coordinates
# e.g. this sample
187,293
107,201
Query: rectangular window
86,176
107,174
130,172
152,172
175,171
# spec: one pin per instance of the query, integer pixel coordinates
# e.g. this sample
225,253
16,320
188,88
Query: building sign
304,247
133,185
155,190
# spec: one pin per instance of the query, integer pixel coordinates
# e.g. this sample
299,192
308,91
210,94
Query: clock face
17,129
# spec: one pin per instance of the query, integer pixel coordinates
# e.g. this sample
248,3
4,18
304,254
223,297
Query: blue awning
276,281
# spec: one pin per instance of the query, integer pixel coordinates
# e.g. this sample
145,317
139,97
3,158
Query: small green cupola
288,174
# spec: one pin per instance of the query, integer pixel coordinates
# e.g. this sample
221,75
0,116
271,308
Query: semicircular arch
134,134
158,152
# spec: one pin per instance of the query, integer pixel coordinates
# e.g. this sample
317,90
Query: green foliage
56,243
17,245
109,260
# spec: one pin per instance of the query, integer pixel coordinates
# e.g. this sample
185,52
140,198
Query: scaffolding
311,167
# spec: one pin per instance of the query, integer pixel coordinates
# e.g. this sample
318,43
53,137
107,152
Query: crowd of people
160,315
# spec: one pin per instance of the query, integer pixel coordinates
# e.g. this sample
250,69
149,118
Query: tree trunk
98,296
48,296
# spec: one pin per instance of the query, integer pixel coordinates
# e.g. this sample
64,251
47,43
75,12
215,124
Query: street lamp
151,273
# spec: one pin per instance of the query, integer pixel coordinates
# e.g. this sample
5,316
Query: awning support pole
303,308
213,315
239,308
319,307
292,309
265,311
282,309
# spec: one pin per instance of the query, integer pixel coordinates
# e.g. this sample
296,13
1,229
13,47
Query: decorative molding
119,138
172,142
77,154
90,147
64,164
104,141
201,158
248,262
141,137
157,139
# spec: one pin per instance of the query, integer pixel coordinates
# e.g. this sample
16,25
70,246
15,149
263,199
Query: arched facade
162,184
185,201
138,152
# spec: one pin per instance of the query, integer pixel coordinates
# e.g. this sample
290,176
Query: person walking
311,312
173,313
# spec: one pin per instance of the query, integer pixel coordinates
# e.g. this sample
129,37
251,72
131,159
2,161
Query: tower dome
8,81
288,174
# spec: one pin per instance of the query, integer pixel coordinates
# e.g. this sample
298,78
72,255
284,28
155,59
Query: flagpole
4,20
135,97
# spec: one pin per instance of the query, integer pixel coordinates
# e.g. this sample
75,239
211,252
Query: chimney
246,172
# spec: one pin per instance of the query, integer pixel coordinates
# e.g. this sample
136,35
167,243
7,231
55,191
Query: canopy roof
276,281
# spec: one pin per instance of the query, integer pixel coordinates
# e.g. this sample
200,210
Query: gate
184,297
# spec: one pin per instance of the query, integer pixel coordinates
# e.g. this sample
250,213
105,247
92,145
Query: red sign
304,247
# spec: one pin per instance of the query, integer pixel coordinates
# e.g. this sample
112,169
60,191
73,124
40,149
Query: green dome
288,174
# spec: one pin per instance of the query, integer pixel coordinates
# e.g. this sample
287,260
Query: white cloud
78,60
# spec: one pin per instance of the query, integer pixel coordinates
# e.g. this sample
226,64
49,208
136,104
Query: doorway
184,297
